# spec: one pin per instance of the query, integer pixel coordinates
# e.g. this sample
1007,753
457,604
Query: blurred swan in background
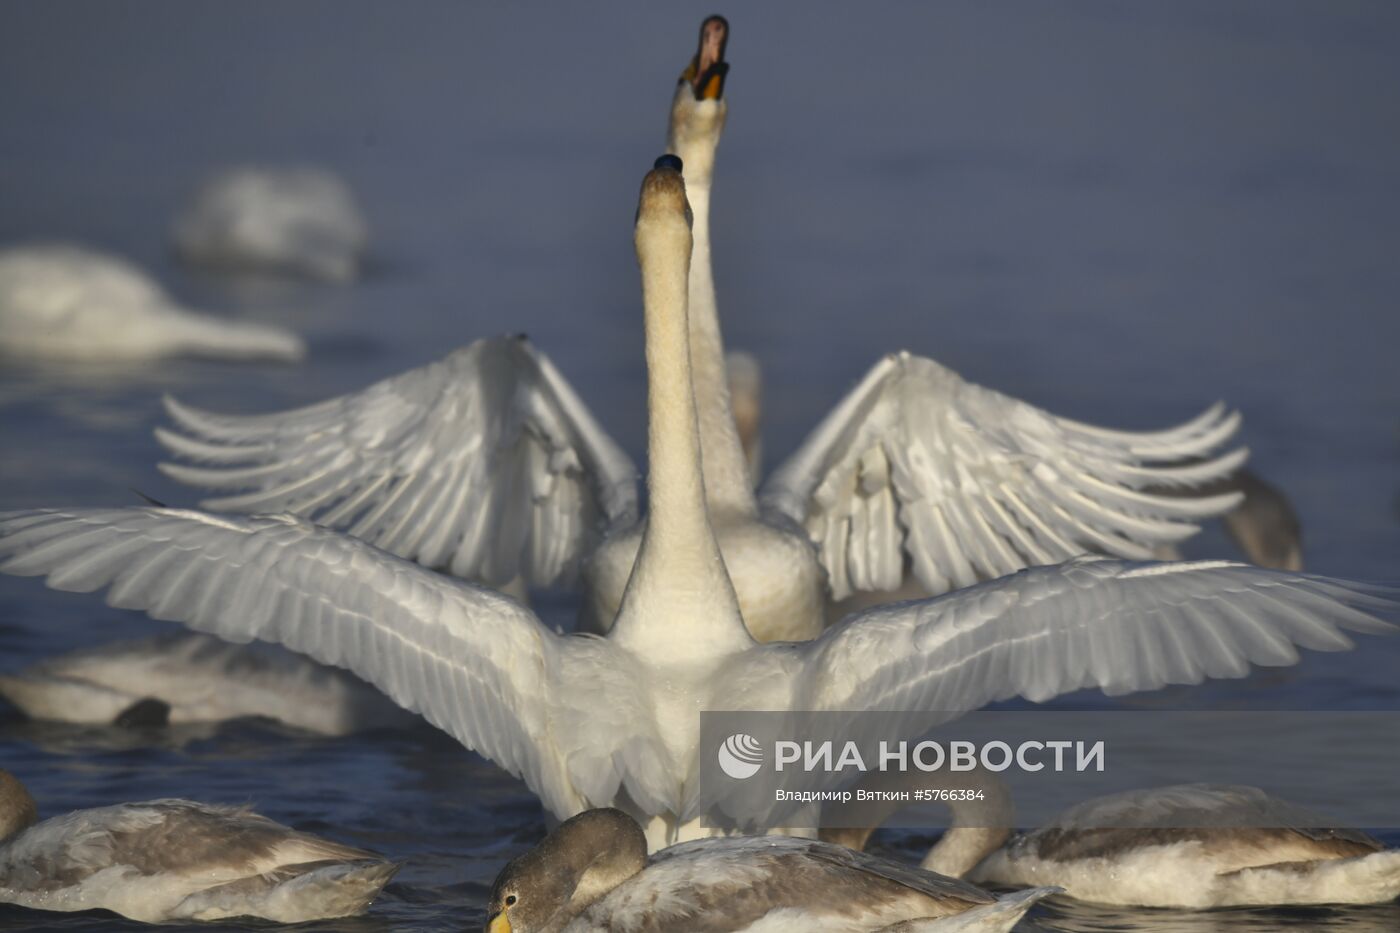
486,464
66,302
611,721
299,221
187,677
592,873
178,860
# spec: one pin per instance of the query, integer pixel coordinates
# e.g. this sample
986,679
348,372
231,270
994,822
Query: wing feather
1120,626
473,662
484,463
982,484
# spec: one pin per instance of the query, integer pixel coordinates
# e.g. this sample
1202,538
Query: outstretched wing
973,485
1093,622
476,664
484,464
1120,626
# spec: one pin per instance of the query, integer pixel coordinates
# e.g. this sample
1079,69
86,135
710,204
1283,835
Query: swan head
663,213
699,108
17,808
581,861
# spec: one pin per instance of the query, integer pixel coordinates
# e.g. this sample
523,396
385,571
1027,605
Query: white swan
613,721
1197,846
297,220
592,874
487,465
188,677
178,860
66,302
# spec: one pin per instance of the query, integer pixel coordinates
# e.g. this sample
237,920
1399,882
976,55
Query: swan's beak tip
715,22
708,68
669,161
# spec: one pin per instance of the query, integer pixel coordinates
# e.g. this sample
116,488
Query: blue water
1120,212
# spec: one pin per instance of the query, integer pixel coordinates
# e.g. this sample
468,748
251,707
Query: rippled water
1118,211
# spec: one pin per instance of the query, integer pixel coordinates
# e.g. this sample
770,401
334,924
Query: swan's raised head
662,208
707,70
582,860
17,809
698,111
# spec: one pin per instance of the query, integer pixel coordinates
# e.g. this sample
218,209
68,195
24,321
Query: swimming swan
66,302
592,874
487,465
298,220
1188,845
178,860
1198,846
591,721
187,677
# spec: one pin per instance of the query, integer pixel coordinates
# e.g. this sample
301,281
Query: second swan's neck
977,829
727,481
679,593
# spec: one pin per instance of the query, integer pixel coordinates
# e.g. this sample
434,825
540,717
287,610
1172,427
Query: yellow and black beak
498,924
707,70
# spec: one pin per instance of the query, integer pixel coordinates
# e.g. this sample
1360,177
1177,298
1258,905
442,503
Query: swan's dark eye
672,162
510,900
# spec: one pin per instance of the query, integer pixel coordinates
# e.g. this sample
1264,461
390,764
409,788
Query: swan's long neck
977,829
17,809
694,136
679,576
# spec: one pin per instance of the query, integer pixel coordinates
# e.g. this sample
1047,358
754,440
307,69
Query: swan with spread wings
592,721
487,465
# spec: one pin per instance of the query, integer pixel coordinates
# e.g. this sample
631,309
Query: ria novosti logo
740,756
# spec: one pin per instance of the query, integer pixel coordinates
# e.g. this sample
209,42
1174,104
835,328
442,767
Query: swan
592,874
178,860
486,464
65,302
590,721
297,220
187,677
1186,846
1198,846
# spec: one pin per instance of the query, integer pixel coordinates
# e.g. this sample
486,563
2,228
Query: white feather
982,483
